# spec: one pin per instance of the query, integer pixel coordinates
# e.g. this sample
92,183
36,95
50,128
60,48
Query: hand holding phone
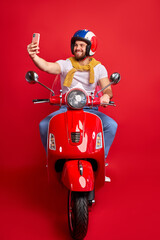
36,38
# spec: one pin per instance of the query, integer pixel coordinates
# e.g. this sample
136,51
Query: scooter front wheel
77,214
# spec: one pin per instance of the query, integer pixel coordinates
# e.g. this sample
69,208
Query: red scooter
76,150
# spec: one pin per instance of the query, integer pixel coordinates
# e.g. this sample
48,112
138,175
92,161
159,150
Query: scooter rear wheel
77,214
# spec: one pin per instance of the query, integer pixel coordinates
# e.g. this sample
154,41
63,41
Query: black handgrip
111,102
40,100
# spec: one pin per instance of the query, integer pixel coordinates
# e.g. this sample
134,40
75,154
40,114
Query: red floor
126,208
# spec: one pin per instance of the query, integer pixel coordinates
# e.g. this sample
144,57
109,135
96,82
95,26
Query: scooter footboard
77,175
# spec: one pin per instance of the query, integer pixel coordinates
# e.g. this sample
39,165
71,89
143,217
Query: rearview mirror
31,77
115,78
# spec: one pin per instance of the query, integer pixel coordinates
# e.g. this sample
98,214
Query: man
79,71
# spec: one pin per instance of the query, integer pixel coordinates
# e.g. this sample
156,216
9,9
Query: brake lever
111,103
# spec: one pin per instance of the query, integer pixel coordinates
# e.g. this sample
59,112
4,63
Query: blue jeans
109,126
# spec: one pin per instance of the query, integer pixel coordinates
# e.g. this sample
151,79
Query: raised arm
43,65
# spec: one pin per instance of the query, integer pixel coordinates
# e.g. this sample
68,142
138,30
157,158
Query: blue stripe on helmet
81,33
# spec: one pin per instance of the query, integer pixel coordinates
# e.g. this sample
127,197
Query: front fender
72,178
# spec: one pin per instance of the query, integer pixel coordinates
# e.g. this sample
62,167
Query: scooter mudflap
72,178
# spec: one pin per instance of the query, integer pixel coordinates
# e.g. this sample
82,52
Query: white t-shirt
81,79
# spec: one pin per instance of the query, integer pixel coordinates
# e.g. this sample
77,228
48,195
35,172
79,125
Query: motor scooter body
75,135
76,150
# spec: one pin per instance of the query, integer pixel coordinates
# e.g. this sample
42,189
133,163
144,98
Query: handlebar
60,100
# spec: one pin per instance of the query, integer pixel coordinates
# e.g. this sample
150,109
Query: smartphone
36,38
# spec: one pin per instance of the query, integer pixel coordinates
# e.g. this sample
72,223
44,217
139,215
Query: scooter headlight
76,99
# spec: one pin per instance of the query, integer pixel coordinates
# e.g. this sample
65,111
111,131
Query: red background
128,36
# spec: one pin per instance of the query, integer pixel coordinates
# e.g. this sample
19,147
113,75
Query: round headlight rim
76,89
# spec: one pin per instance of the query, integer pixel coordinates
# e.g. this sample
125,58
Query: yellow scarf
78,67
